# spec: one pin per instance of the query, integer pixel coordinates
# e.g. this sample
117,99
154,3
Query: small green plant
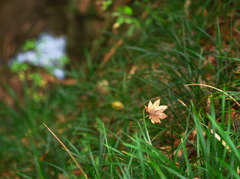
124,15
29,44
106,4
18,67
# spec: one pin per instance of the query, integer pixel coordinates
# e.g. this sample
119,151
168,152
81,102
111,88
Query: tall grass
179,57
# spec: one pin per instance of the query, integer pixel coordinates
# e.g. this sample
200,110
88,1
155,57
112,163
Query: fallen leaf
117,105
155,111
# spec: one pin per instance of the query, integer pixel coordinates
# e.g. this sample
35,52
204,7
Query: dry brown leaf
155,111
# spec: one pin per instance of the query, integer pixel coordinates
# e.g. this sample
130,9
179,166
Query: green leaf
29,44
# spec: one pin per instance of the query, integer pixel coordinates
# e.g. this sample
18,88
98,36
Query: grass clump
181,56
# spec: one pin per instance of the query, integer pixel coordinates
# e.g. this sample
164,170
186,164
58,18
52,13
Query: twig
66,150
196,84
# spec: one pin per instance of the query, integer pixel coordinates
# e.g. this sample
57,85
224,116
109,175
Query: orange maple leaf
155,111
